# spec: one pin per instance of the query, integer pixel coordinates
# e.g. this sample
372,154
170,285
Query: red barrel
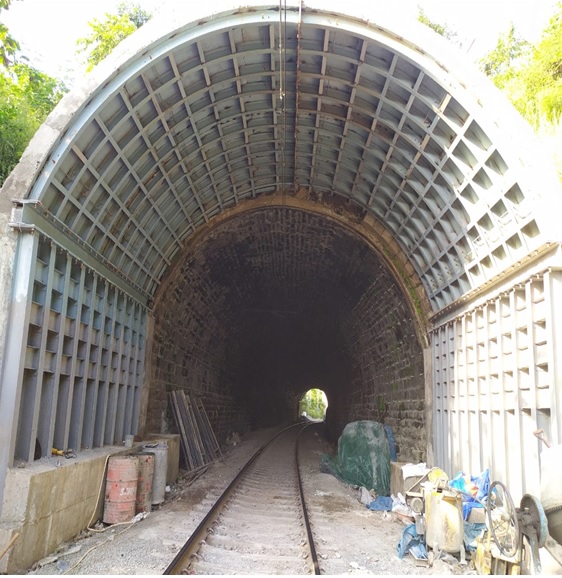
144,485
121,489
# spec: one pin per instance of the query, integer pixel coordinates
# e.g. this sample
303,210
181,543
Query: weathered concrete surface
7,252
53,499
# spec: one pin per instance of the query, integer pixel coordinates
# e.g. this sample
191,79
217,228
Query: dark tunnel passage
274,302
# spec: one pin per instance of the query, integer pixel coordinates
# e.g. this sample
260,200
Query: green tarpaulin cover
363,457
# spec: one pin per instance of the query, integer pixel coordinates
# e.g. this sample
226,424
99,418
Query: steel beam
18,322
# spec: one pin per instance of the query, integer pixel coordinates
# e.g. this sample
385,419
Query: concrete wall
52,500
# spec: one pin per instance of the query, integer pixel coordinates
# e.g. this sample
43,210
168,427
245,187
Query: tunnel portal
249,203
274,300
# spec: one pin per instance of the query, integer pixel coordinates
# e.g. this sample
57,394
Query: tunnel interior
276,301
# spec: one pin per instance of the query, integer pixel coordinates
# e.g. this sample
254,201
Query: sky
47,30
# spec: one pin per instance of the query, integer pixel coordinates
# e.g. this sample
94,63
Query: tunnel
280,299
244,203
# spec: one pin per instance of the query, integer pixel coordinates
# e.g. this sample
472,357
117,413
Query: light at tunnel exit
313,405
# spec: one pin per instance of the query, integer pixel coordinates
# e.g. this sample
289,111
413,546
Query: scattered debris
71,550
9,544
365,497
233,439
47,560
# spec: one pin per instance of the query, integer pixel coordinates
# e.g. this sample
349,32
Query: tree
502,63
531,76
8,45
441,29
313,404
27,96
108,33
543,76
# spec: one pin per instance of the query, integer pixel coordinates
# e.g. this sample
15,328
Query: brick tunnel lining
274,302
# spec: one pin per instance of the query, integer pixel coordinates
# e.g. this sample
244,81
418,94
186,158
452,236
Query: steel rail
310,538
182,558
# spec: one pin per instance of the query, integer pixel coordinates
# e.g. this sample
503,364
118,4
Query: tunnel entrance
155,238
313,405
276,299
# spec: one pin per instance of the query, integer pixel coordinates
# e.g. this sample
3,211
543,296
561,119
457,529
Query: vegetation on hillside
106,34
529,75
27,95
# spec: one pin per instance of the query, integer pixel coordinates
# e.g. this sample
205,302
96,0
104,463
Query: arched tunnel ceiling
280,286
254,102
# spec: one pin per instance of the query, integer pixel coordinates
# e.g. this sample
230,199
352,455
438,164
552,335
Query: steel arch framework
188,121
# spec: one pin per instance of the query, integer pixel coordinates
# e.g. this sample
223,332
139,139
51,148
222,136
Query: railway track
259,525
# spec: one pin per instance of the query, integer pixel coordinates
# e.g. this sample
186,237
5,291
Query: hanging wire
283,83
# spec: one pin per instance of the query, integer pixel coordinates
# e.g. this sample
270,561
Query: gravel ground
350,538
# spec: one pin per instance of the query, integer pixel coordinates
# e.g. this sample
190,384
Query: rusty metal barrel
121,489
144,485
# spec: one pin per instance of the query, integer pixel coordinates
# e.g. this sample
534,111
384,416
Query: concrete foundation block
50,501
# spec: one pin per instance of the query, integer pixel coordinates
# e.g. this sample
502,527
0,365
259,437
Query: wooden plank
197,434
207,440
216,446
184,445
199,444
194,443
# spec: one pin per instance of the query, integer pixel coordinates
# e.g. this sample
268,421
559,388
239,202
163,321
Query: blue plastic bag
474,490
382,503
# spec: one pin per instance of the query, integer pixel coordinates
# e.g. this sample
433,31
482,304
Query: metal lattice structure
187,121
83,358
256,108
496,376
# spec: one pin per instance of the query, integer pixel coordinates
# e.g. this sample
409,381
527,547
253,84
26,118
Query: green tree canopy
531,76
27,96
503,62
543,76
441,29
108,33
8,45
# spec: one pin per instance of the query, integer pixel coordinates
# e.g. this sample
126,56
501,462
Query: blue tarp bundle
382,503
411,541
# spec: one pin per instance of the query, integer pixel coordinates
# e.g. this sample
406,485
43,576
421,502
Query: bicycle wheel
502,519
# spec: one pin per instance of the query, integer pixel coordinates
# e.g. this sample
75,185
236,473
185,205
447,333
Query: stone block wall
276,302
190,352
387,374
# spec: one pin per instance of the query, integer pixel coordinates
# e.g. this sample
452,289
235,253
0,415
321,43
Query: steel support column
18,322
553,291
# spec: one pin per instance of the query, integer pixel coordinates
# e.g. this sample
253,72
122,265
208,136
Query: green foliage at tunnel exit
314,403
